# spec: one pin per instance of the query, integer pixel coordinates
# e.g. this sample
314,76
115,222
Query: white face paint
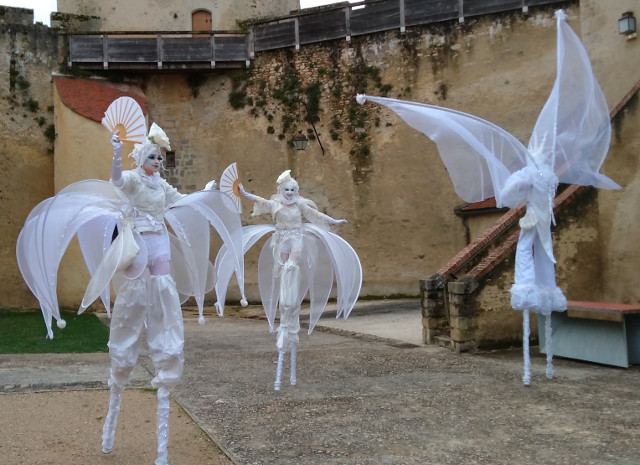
289,192
153,162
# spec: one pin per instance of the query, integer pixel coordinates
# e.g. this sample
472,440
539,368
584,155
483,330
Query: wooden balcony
139,51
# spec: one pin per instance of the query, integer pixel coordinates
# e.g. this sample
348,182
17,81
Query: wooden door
201,21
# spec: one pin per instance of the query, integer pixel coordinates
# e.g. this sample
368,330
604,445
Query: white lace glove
246,194
334,221
116,164
211,186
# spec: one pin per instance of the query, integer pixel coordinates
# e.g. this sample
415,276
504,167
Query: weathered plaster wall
384,177
28,55
615,62
619,215
173,15
614,58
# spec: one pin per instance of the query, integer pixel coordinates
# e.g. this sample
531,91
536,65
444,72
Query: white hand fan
125,115
229,183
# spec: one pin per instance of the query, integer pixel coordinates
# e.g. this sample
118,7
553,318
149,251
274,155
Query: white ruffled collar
284,201
152,181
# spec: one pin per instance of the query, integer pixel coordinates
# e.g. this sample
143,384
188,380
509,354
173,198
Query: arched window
200,21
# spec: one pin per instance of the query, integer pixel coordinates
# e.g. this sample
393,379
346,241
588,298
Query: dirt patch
65,427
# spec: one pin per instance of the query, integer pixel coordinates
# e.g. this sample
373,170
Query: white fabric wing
224,263
93,250
49,229
479,155
189,218
347,269
571,136
325,255
573,131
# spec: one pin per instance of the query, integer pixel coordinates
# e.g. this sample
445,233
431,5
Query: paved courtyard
369,394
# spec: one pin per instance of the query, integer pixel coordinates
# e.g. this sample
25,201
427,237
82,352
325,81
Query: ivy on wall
290,91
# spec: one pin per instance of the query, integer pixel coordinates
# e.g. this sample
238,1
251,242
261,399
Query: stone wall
386,179
29,56
173,15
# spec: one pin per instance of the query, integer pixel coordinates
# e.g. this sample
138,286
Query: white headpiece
284,179
158,137
155,140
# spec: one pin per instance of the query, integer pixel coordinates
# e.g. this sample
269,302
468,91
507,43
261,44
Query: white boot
109,428
278,383
162,430
293,363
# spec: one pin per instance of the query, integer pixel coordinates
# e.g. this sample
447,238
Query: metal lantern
627,24
300,141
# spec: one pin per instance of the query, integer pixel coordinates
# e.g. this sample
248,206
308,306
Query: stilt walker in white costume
149,300
299,257
139,261
569,144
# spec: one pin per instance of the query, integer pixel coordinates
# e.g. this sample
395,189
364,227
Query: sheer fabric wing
347,270
320,271
191,252
94,239
573,131
268,283
49,229
479,155
224,263
187,217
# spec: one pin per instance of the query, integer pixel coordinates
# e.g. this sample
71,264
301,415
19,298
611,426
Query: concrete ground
369,392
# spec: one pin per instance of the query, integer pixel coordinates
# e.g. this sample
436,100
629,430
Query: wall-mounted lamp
300,141
627,25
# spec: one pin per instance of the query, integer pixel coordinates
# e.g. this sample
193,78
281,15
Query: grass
24,332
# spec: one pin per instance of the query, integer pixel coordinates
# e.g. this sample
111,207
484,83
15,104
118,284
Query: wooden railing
344,22
211,49
158,51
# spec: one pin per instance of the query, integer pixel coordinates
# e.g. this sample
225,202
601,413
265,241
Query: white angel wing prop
229,183
573,131
224,264
571,136
348,273
188,218
49,229
479,155
93,250
125,115
269,282
325,256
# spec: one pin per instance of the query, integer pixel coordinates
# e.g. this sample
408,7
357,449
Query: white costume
140,261
569,144
298,258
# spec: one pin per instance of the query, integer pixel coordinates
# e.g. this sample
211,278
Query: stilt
293,363
109,428
549,345
278,383
162,430
526,379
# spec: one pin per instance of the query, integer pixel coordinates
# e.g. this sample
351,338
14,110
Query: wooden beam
160,48
105,52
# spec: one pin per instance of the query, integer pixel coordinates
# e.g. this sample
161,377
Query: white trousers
535,286
150,301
